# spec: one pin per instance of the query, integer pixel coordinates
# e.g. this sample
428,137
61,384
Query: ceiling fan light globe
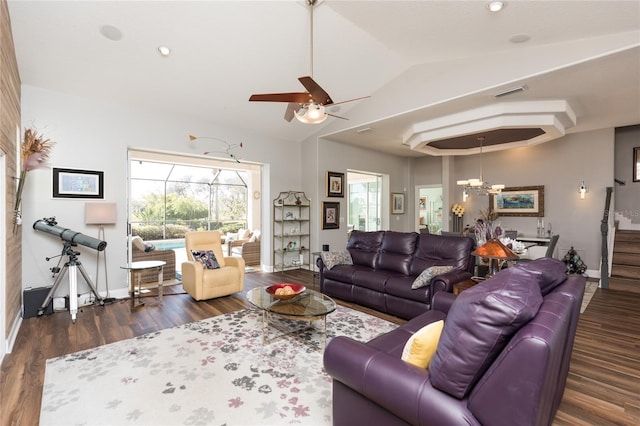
311,114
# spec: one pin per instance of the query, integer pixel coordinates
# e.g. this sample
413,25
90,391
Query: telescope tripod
73,265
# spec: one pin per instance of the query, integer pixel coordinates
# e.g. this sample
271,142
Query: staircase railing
604,230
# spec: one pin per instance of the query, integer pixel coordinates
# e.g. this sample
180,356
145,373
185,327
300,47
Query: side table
136,269
462,286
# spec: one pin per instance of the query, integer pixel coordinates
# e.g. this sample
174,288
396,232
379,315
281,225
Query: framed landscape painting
72,183
519,201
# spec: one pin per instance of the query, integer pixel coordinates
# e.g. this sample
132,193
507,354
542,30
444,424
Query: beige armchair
203,284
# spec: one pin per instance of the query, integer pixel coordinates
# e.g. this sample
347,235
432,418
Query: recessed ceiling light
111,32
164,51
495,6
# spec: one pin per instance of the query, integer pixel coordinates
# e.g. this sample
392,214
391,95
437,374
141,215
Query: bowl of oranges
285,291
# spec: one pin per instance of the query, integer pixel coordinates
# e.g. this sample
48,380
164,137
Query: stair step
625,271
626,247
628,236
621,258
624,284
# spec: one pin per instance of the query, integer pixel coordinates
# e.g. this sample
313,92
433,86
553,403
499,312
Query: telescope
50,226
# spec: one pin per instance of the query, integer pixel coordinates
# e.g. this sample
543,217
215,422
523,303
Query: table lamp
100,214
495,251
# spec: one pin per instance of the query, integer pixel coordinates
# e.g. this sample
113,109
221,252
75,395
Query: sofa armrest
442,301
445,282
401,388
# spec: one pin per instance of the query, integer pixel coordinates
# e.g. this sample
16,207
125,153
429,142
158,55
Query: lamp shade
100,213
494,249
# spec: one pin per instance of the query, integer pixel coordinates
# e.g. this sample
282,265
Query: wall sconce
465,195
582,190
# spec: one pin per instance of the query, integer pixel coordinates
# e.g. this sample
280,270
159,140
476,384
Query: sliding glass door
365,201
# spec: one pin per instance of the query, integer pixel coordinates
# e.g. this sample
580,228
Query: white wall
560,166
94,135
627,197
337,157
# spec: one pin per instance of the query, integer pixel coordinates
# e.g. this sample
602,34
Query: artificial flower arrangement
34,154
486,228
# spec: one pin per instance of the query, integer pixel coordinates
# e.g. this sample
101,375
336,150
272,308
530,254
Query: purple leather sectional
502,359
385,264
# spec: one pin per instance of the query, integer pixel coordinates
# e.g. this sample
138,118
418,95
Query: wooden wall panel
9,141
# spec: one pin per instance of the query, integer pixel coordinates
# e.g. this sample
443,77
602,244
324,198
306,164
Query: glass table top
310,303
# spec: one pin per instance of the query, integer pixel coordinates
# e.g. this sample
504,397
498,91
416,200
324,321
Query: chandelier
478,186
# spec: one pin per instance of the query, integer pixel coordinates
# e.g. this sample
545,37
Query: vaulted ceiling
434,69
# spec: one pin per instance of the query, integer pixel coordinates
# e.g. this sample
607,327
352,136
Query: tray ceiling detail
503,126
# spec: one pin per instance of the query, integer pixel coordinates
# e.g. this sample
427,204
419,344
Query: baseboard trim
13,335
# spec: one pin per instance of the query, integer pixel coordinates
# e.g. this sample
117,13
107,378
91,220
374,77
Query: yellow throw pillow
422,345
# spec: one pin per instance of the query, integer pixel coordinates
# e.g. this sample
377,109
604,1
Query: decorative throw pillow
422,345
207,258
424,279
333,258
138,243
255,236
149,247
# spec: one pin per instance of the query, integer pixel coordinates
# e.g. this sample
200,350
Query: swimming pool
168,244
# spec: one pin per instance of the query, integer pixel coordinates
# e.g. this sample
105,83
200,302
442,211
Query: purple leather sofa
502,359
385,264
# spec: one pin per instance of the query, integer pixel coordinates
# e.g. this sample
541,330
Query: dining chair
511,234
549,250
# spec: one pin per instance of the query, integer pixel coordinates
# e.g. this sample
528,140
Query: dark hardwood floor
603,386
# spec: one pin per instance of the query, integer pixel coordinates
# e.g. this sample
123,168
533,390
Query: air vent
511,91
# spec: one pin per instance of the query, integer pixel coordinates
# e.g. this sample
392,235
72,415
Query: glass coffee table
308,307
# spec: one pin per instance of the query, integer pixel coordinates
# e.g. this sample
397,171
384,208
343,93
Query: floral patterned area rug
211,372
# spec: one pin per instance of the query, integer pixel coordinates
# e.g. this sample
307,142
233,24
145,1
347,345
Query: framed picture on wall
72,183
330,215
335,184
397,203
518,201
636,164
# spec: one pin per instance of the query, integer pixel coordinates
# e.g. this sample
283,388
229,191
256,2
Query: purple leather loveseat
502,358
386,263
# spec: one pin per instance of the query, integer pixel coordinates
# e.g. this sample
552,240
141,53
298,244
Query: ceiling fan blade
337,116
298,97
319,95
292,108
350,100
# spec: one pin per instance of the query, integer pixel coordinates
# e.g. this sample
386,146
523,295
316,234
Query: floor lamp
100,214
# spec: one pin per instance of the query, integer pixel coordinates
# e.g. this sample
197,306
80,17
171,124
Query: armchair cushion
138,243
467,347
207,258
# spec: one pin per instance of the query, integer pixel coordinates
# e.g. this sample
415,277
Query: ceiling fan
308,107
